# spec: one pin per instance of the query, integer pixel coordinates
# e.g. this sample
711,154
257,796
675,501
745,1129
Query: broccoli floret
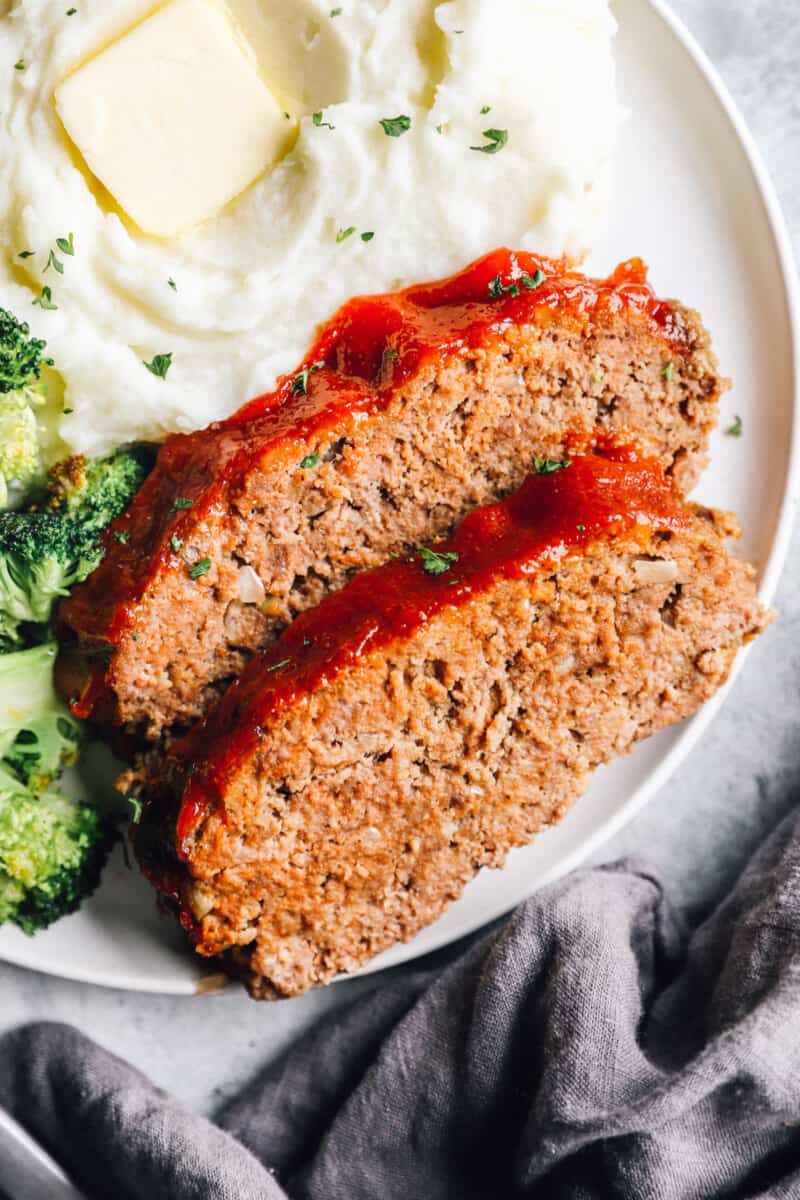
93,493
43,554
52,848
21,392
39,737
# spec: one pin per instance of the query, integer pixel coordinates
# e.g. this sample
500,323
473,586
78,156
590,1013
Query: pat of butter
173,118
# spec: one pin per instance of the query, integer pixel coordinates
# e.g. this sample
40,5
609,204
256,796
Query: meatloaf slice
410,410
437,712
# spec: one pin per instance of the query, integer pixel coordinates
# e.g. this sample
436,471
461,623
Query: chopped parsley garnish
344,234
310,461
180,504
440,128
318,121
71,12
45,300
66,245
396,126
159,366
19,66
67,411
55,263
487,108
26,254
532,282
497,288
300,385
134,637
134,801
496,139
435,563
122,536
171,283
736,428
549,466
176,543
581,528
285,662
200,568
668,372
368,236
336,12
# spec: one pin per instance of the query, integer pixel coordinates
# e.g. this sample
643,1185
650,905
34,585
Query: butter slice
174,118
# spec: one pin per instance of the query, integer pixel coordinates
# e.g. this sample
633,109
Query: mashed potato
236,301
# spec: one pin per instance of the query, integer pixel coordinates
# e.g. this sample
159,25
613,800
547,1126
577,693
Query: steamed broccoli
52,848
44,553
21,392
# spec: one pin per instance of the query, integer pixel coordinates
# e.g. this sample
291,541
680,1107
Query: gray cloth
590,1048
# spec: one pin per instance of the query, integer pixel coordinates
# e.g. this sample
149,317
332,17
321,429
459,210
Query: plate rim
694,729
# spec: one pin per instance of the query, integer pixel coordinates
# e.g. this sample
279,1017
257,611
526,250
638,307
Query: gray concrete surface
743,777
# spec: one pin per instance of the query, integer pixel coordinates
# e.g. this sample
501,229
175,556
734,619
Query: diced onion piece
648,571
251,589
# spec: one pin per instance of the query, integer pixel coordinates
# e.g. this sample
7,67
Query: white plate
693,198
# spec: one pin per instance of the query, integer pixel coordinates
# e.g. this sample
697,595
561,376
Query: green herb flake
368,236
26,254
66,245
55,263
396,126
134,637
344,234
159,366
310,461
336,12
300,385
598,377
134,801
440,128
437,564
317,118
19,66
71,12
176,543
199,569
497,289
549,466
581,528
181,504
122,536
496,139
45,300
487,108
668,372
171,283
285,662
532,282
736,429
67,411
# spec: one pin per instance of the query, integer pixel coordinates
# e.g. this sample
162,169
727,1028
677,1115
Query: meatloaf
410,410
437,712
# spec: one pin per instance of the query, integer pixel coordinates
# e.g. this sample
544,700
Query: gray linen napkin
590,1048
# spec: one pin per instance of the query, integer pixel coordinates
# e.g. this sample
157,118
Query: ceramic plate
692,198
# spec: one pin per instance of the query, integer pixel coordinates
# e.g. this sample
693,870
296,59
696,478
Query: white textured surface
697,835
